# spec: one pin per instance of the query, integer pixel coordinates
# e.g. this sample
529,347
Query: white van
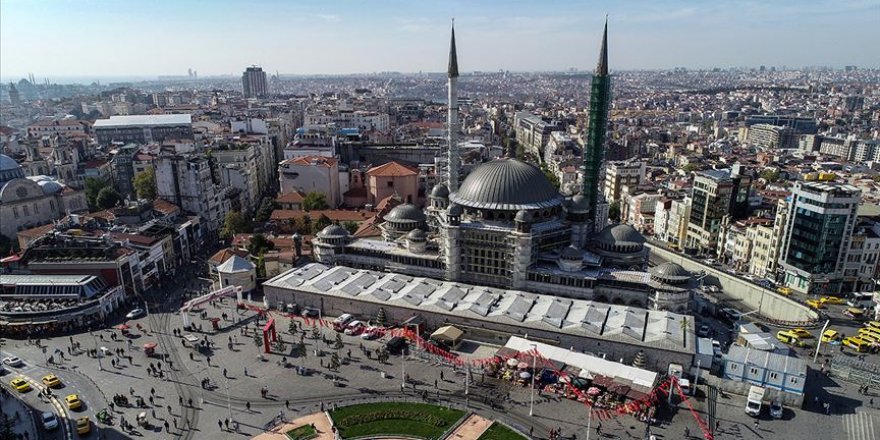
754,401
861,299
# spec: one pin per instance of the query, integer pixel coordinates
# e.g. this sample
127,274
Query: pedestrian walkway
320,420
472,428
860,426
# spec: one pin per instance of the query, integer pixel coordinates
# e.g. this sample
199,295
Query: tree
551,176
381,319
280,345
258,340
265,210
322,222
334,361
145,184
314,200
259,245
338,344
234,223
350,226
107,198
316,332
291,327
770,175
93,186
691,167
614,211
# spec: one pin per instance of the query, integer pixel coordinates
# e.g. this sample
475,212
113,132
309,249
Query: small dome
440,191
406,213
454,209
47,184
572,253
670,271
578,205
417,235
7,163
333,231
523,216
617,235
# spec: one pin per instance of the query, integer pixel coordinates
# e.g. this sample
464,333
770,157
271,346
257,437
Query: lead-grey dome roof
620,235
333,231
417,235
440,191
7,163
670,270
507,184
406,213
572,253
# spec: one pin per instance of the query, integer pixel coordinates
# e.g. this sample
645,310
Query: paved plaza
192,394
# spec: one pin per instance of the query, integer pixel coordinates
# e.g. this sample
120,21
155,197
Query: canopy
150,345
448,334
523,366
122,327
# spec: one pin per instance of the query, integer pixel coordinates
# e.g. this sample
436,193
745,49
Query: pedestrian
190,402
599,428
441,375
322,406
220,424
248,406
131,391
152,391
245,372
180,400
151,400
110,405
169,409
687,431
166,426
717,425
175,423
224,372
531,428
287,404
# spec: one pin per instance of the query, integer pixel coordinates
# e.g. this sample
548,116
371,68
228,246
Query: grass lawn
302,433
410,419
500,432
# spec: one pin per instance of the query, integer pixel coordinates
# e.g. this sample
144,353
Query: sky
104,38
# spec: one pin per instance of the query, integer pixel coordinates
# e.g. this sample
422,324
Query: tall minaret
452,163
594,148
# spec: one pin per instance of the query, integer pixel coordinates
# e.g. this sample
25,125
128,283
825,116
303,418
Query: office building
533,132
717,193
620,174
819,226
800,125
772,136
188,182
253,82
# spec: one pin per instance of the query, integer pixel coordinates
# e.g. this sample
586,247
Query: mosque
505,225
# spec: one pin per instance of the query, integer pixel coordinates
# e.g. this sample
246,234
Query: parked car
354,328
704,331
310,312
13,361
83,425
370,333
50,421
51,380
801,333
731,314
341,321
776,409
136,313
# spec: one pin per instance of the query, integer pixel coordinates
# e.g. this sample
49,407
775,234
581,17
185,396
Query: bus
861,299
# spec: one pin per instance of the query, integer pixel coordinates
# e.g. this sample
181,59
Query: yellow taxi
20,385
51,380
832,300
869,331
854,313
868,336
784,291
73,401
801,333
815,303
859,344
830,335
788,337
83,425
873,324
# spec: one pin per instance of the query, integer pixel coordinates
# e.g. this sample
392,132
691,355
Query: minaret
453,159
594,148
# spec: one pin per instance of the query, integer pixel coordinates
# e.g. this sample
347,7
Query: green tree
259,245
107,198
93,186
280,345
145,184
338,344
691,167
551,176
306,222
770,175
291,327
258,340
350,226
614,211
322,222
265,210
316,332
313,201
334,361
234,223
381,318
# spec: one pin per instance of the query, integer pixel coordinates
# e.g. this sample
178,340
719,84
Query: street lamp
97,353
228,404
532,399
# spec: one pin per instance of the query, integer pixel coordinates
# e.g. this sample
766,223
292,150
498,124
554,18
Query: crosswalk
861,426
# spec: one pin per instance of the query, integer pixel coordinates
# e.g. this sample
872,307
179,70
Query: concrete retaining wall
772,305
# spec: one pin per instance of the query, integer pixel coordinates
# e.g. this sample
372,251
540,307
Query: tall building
717,193
14,97
453,160
188,182
253,82
143,129
594,148
533,132
620,174
819,226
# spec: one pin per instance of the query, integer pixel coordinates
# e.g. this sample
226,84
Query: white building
187,182
629,174
311,174
767,369
238,271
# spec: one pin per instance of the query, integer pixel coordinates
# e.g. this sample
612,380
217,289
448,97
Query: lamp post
819,344
589,421
532,399
228,404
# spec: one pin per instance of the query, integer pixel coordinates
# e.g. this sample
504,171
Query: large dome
7,163
507,184
9,169
617,235
406,213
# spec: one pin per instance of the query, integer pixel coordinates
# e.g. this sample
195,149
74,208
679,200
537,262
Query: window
774,375
391,184
753,370
793,380
15,211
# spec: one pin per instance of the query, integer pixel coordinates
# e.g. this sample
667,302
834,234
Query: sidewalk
25,426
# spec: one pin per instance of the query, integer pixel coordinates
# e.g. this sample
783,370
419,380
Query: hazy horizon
141,41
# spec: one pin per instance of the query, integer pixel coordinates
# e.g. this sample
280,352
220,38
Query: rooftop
649,328
140,120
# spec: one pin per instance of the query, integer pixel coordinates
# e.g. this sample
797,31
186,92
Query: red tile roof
165,207
224,254
336,215
291,197
307,160
392,169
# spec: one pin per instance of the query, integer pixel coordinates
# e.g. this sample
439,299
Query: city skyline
349,37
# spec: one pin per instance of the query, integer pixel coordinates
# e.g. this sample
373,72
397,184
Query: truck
755,401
